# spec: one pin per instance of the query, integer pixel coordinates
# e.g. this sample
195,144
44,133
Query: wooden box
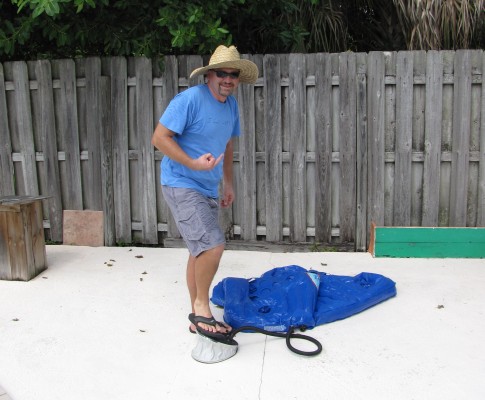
22,243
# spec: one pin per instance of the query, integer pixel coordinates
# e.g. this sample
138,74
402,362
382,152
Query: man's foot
209,326
207,320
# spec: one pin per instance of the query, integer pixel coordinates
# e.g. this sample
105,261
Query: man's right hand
163,140
206,162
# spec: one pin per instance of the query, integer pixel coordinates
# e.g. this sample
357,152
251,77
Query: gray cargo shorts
197,218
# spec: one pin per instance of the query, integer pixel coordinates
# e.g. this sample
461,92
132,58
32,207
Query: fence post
25,130
347,145
375,121
481,173
146,153
68,130
461,138
247,162
93,126
323,148
432,143
170,87
361,156
297,105
273,173
107,163
120,142
49,139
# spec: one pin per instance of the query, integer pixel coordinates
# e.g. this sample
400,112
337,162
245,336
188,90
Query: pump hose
288,336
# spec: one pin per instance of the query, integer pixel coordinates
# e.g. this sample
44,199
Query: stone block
83,228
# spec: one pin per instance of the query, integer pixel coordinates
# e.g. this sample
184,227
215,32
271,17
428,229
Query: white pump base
209,351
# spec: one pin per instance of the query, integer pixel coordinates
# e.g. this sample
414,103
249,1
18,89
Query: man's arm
163,140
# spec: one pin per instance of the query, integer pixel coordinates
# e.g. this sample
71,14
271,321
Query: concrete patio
110,323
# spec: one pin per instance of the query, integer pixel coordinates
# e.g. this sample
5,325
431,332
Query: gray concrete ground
111,324
3,394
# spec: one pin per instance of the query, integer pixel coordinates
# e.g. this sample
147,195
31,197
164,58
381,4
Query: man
195,134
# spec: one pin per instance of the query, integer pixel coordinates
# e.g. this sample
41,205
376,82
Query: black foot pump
212,350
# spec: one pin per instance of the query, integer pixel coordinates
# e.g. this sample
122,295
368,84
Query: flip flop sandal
196,319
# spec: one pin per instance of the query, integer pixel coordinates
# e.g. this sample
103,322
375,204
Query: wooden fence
331,143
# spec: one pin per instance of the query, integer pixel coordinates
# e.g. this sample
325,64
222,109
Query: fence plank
120,137
418,136
23,113
260,139
390,59
375,157
273,147
446,140
6,163
474,139
461,138
285,140
146,166
361,155
93,127
107,164
311,138
169,90
432,146
49,139
323,149
404,139
247,161
347,148
68,130
481,173
297,105
194,62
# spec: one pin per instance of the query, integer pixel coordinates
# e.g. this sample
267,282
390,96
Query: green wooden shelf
422,242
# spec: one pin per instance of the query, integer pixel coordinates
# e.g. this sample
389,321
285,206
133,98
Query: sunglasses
224,74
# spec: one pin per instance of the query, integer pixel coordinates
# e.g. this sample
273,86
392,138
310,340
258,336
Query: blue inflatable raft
293,296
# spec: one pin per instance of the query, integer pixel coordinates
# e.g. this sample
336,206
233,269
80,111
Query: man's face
222,82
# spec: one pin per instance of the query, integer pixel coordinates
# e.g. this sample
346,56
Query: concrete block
83,228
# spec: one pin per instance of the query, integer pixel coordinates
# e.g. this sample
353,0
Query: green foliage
69,28
52,7
196,25
267,26
373,25
450,24
80,28
32,29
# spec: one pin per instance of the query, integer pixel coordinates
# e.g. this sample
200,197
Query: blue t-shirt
201,125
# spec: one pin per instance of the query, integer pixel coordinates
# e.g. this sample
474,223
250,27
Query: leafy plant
33,29
196,25
440,24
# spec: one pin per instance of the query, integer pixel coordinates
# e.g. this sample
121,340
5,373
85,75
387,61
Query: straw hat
228,57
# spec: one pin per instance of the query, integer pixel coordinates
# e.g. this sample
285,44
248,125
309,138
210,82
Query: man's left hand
228,196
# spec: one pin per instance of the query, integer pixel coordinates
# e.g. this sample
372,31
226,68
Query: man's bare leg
200,274
191,280
190,277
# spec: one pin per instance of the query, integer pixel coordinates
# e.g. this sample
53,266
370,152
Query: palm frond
440,24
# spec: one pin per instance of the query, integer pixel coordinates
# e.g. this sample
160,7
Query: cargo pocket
190,225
